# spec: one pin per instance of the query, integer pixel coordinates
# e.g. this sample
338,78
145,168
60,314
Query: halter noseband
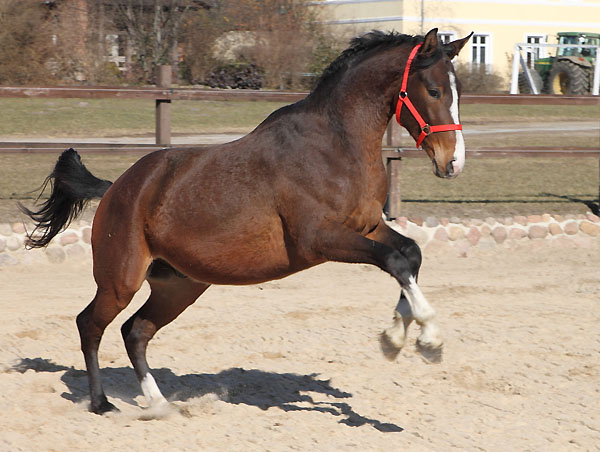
426,129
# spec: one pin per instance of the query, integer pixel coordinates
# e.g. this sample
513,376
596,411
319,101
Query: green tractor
570,71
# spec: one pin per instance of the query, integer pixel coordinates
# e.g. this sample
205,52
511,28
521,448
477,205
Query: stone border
461,235
431,233
73,243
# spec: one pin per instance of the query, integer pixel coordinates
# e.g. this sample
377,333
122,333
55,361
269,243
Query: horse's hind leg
171,293
92,322
119,271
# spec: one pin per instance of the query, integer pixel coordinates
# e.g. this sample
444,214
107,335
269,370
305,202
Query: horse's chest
374,185
367,208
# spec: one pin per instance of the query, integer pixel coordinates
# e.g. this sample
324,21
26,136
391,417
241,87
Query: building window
481,50
116,50
534,53
446,37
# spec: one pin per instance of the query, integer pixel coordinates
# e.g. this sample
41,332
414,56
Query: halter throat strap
403,99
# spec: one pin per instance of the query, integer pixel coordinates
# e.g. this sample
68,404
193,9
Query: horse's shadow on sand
286,391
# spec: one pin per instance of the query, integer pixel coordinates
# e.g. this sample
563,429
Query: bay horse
306,186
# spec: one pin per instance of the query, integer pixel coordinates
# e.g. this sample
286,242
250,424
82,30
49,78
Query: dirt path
295,364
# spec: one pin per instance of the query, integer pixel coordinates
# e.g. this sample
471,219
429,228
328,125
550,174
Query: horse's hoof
431,353
389,347
104,407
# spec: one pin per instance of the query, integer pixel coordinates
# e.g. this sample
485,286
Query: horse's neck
362,111
363,122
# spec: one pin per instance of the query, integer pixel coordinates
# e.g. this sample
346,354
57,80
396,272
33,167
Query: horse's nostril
450,168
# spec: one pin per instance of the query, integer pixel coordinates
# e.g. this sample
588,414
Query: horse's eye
435,93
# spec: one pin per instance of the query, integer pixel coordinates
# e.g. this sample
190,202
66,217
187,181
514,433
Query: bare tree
75,40
284,36
152,28
25,43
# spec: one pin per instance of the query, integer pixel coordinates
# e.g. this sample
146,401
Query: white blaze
459,150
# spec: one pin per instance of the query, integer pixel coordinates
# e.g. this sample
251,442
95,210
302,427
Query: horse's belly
237,268
240,256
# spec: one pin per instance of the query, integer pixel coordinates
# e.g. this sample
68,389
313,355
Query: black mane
361,45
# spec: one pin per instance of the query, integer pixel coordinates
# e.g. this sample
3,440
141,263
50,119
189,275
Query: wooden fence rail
176,93
392,157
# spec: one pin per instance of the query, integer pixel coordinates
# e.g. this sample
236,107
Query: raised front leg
412,304
400,257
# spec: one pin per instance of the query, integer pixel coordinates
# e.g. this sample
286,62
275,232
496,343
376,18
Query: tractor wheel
567,78
524,87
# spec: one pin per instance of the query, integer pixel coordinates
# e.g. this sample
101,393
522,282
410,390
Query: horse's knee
397,265
413,255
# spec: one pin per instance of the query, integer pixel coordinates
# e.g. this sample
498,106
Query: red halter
426,129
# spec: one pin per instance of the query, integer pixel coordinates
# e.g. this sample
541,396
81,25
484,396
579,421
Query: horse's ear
453,48
430,44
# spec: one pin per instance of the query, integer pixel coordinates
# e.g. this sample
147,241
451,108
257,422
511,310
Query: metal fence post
514,79
163,107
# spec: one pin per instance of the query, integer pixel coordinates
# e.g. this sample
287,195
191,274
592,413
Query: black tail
72,187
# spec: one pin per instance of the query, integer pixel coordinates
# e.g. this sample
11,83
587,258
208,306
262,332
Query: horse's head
428,104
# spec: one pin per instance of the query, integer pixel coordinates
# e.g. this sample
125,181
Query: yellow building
497,24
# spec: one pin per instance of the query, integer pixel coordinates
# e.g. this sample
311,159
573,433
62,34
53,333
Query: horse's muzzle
452,170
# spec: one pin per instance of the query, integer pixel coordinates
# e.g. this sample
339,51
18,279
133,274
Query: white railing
519,61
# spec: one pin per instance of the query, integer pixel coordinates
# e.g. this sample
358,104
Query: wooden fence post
393,166
392,159
163,108
393,133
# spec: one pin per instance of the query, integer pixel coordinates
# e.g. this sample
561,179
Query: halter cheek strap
403,99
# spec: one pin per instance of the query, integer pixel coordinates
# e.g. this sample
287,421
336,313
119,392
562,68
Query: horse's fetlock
424,315
430,336
430,343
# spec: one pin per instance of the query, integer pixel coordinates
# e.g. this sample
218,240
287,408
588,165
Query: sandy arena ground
295,364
